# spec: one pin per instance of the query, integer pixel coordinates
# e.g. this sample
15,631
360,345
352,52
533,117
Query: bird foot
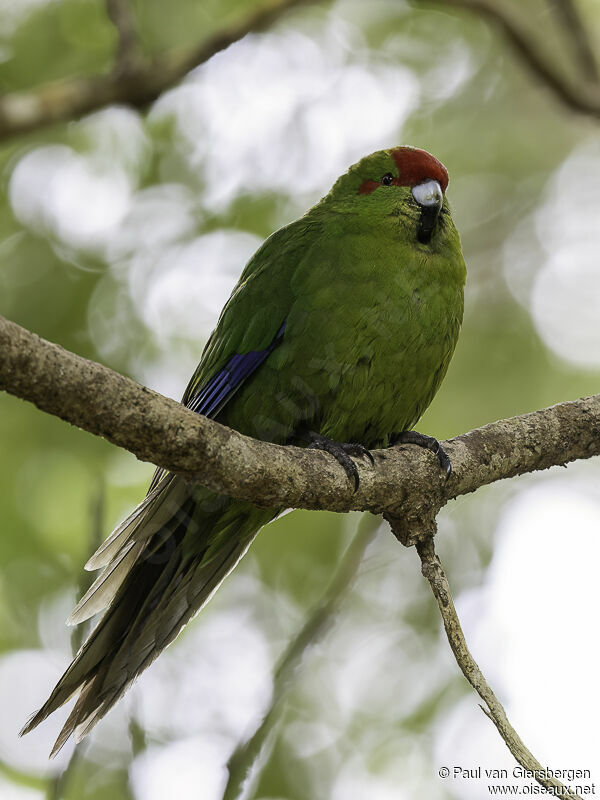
341,451
429,443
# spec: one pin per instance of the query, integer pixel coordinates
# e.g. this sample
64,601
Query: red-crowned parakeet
340,330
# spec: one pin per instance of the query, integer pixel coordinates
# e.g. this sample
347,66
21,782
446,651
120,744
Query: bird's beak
430,198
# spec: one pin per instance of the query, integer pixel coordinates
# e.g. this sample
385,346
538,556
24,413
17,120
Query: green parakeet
337,336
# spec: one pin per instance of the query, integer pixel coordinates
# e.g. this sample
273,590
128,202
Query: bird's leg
428,442
341,451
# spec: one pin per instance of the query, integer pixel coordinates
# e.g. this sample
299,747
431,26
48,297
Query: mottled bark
405,484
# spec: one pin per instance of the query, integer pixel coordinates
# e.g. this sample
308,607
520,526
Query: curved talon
429,443
356,449
342,451
444,460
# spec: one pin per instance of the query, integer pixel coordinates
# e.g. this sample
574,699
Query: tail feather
150,638
70,725
131,525
105,587
155,584
121,550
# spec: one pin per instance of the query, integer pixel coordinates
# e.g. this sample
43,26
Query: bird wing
217,391
251,326
211,397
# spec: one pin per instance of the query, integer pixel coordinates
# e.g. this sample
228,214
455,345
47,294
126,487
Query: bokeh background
121,236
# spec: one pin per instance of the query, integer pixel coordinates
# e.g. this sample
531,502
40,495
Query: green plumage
371,316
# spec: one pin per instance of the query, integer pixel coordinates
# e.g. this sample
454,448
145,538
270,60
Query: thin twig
128,54
57,786
25,780
569,18
432,569
252,752
581,97
70,98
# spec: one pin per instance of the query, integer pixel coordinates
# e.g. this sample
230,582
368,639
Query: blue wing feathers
217,391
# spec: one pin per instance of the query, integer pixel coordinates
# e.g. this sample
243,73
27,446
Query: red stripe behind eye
368,186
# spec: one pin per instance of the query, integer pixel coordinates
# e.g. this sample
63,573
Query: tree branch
141,84
136,82
406,482
569,18
432,569
128,55
583,97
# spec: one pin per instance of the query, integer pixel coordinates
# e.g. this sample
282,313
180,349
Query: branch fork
406,485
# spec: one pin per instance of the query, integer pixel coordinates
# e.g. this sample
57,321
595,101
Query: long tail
161,565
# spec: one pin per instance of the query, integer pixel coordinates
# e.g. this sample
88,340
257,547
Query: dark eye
387,179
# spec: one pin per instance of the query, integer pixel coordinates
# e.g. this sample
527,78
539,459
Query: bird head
404,182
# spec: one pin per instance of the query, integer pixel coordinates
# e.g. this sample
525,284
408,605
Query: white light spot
75,198
188,769
563,235
320,114
565,303
12,791
33,673
182,292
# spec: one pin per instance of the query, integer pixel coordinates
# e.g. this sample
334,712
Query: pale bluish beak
430,197
429,193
